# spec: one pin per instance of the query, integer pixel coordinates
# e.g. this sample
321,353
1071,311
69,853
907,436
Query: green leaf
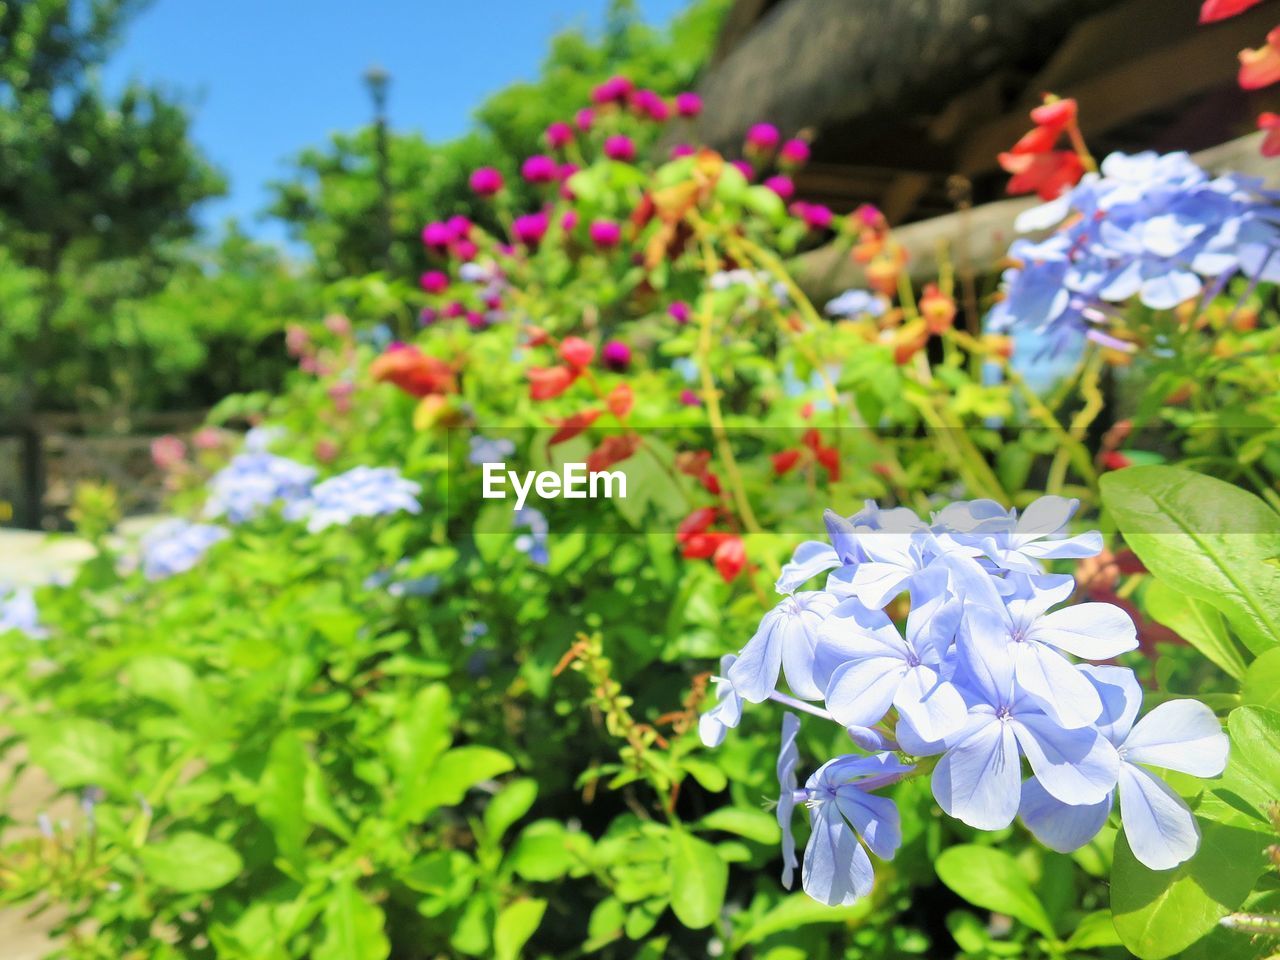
993,880
512,803
745,822
353,927
414,742
1206,538
516,924
1200,624
1094,930
798,910
542,852
1161,912
80,753
1261,684
710,776
190,862
458,771
698,880
281,797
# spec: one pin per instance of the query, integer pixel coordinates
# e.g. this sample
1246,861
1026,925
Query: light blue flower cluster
18,612
252,482
175,546
856,303
360,492
1151,226
982,677
532,544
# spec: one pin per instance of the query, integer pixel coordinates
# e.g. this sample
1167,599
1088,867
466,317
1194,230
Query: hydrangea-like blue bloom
984,676
856,303
175,546
18,611
1181,735
252,482
532,544
1148,226
360,492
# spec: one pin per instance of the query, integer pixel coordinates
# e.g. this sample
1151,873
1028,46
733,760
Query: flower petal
1160,829
978,780
875,819
861,691
1055,685
1060,826
932,705
1092,631
1181,735
810,559
837,871
755,674
1076,766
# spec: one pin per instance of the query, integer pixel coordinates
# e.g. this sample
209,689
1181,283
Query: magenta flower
682,150
613,90
434,281
459,226
454,309
616,355
427,316
781,185
564,173
437,236
465,249
530,228
744,168
689,398
569,221
763,137
649,104
620,147
605,234
476,320
679,312
539,168
558,135
486,181
815,215
688,104
794,153
584,119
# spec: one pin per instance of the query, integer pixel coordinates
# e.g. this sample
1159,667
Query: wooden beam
980,237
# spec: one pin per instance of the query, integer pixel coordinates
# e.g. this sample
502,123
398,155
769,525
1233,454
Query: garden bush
344,706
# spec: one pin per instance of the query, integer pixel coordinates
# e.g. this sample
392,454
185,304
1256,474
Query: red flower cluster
811,450
699,542
1035,163
414,372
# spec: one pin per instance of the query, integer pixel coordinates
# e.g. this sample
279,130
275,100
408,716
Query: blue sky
264,78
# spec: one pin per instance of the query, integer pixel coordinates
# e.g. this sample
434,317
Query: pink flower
605,234
296,340
459,226
207,438
680,312
485,181
539,168
584,119
616,355
426,317
794,153
530,228
564,173
569,221
465,249
688,104
454,309
689,398
649,104
613,90
682,150
168,451
744,168
815,215
558,135
325,450
476,320
620,147
437,236
763,137
338,325
434,281
781,185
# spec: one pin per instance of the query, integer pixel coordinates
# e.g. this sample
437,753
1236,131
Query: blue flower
843,816
175,546
854,303
1181,735
788,760
360,492
18,611
727,712
534,543
786,638
483,450
252,482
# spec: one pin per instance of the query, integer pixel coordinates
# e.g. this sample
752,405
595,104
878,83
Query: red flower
1270,122
620,400
548,382
785,461
571,426
413,371
938,310
1048,175
1114,460
576,352
1261,68
612,450
730,558
1213,10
